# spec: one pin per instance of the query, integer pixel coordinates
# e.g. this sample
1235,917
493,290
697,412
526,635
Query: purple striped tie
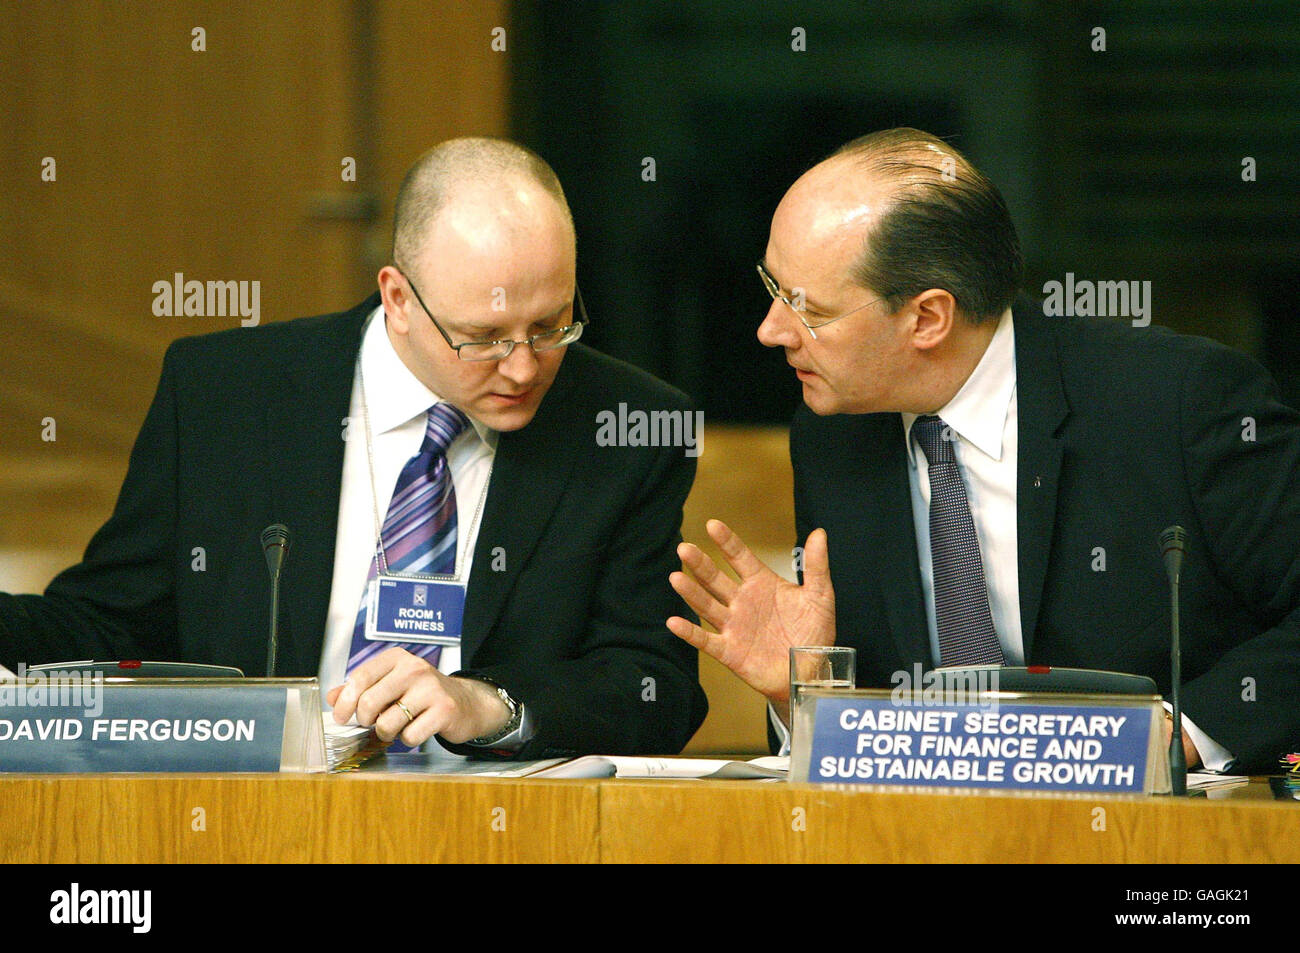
961,597
419,532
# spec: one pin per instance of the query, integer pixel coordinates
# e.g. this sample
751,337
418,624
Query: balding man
979,483
469,562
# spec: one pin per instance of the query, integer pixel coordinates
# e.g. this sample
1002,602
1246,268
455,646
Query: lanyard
382,557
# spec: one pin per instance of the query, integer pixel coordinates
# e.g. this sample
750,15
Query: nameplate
1042,742
93,724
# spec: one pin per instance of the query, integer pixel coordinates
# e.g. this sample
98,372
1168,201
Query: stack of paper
348,746
1208,780
594,766
611,766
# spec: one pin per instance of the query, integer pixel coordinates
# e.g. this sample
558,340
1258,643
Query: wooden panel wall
215,164
744,479
212,163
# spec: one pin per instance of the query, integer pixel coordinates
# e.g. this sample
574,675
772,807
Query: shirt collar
978,411
393,394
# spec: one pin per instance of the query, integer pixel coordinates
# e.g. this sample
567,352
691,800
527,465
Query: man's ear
936,315
396,298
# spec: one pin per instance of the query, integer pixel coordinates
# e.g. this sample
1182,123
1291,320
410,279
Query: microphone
1173,544
275,546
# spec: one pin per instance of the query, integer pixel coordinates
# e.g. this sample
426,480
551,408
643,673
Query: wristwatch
511,725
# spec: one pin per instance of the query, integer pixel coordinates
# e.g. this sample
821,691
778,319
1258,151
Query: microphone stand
275,546
1172,544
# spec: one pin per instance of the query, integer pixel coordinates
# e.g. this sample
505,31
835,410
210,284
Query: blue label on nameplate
415,610
81,726
1010,745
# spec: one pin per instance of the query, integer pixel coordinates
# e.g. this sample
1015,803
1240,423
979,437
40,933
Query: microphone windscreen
1173,543
275,544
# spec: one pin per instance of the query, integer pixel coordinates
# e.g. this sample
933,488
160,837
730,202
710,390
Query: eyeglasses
777,294
500,350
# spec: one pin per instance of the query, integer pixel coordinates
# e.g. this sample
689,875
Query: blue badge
406,609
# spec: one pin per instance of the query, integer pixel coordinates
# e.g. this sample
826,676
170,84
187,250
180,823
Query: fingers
817,562
698,598
379,700
738,554
687,631
721,586
434,718
401,694
375,685
433,709
392,720
343,698
710,643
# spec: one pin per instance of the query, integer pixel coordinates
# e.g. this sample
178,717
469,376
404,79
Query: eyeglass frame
578,309
774,289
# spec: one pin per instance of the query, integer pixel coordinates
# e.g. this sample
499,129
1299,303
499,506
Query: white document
1208,780
614,766
342,741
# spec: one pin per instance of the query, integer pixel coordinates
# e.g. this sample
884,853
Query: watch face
511,725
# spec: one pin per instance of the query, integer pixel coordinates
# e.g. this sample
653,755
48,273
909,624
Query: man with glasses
981,483
467,563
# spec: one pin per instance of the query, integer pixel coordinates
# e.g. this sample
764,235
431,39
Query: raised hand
758,618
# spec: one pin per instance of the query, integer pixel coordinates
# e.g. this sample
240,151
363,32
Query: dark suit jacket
1122,432
246,430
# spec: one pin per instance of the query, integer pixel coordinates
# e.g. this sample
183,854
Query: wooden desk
349,818
376,817
681,822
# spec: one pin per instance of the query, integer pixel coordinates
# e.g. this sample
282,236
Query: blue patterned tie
961,597
419,532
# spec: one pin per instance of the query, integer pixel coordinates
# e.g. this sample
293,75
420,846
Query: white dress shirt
984,418
396,404
982,415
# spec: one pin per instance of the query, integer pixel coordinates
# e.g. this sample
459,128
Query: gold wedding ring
407,712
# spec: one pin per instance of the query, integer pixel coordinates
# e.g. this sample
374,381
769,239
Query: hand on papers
458,709
1189,749
758,618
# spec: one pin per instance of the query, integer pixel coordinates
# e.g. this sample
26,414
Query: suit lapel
878,485
1041,409
305,426
530,471
900,571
